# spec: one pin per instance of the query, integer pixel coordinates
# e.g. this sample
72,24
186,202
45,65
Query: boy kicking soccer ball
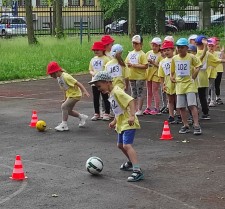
125,121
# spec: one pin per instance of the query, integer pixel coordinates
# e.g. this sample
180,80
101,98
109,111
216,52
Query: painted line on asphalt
21,189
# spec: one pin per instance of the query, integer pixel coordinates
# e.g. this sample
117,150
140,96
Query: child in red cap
73,92
108,41
97,64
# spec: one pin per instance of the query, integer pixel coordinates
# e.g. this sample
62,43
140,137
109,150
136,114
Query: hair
120,59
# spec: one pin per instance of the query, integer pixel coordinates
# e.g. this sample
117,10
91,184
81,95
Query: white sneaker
83,120
106,117
212,104
139,113
62,127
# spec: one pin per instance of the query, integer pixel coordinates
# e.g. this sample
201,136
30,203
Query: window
89,2
42,2
73,2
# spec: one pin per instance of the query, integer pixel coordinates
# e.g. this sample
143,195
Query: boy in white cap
125,122
137,64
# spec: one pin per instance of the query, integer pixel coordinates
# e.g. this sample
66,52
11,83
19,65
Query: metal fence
74,19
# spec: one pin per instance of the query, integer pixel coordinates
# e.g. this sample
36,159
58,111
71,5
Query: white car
13,26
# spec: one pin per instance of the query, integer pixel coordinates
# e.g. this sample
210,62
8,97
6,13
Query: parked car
13,26
218,19
191,21
118,26
176,20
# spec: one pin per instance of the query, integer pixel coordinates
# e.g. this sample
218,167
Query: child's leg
106,103
133,88
67,109
171,101
149,94
213,95
140,90
96,96
155,91
217,83
164,99
203,100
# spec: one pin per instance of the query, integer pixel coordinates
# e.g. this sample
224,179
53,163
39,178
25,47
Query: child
152,79
184,69
191,39
125,121
98,64
117,68
137,64
203,81
73,92
107,41
164,74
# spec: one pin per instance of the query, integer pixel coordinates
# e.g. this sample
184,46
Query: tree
29,18
132,18
59,25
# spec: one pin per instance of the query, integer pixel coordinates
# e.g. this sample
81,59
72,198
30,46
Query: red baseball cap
53,67
167,45
107,39
98,45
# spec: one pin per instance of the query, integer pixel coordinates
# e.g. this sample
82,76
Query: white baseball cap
157,41
116,48
137,39
169,38
192,37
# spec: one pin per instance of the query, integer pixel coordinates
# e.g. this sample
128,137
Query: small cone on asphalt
166,135
18,173
34,119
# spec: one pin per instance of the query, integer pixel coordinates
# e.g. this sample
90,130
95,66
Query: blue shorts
126,137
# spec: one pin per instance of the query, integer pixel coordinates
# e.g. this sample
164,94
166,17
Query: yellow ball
41,125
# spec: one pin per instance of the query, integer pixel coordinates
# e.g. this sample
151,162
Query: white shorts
184,100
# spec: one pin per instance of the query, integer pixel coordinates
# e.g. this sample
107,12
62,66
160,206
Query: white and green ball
94,165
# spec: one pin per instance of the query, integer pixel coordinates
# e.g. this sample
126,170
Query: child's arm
126,84
113,123
163,84
83,89
204,50
132,113
195,73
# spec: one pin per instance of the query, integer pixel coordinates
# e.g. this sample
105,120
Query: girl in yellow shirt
73,91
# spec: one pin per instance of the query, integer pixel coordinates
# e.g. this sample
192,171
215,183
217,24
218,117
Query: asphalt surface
184,173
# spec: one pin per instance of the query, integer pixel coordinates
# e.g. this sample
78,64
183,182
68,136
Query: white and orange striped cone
18,173
166,135
34,119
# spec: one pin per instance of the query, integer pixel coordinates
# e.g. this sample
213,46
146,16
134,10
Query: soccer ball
94,165
41,125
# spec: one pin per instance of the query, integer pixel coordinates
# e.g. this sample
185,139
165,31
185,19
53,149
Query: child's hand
131,120
112,124
129,64
204,41
86,93
173,79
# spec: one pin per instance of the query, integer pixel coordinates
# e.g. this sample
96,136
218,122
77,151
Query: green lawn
21,61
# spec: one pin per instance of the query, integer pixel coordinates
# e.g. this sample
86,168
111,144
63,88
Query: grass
21,61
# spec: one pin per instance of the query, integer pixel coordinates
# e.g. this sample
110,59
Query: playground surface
186,172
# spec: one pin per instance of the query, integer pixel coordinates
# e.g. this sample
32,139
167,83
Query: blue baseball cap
199,38
192,47
182,42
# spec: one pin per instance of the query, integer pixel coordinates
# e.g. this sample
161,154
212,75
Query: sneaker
96,117
83,120
212,103
209,100
171,120
127,166
135,176
184,130
147,111
179,119
219,101
62,127
155,112
197,130
139,113
106,117
205,117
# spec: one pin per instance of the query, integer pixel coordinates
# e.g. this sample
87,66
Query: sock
64,122
136,167
79,116
217,97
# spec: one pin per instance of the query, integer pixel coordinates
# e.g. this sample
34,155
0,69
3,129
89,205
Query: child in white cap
137,64
152,79
117,68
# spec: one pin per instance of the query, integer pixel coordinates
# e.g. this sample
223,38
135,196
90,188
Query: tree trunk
132,19
54,17
29,18
161,18
59,26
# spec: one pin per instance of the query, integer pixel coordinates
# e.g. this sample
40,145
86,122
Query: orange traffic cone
34,119
166,135
18,173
